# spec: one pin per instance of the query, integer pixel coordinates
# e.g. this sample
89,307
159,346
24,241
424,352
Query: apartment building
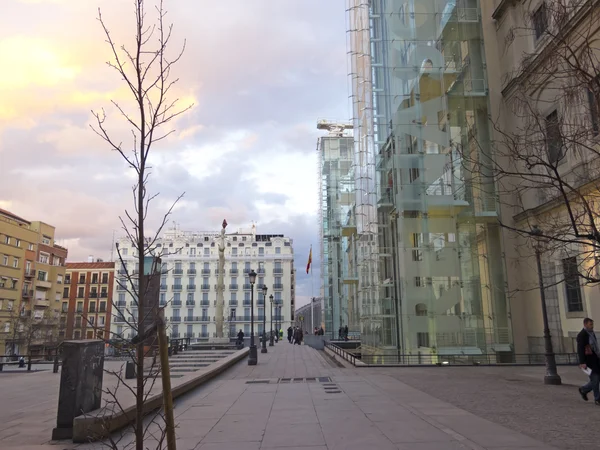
527,46
31,276
428,252
189,276
87,300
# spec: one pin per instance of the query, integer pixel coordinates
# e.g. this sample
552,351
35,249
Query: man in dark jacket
588,352
290,331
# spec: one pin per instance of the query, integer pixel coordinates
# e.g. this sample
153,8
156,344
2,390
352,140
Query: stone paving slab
350,409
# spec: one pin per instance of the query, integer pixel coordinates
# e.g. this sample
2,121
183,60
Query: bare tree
544,164
146,70
29,328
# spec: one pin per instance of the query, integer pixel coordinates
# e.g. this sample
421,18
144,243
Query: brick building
87,300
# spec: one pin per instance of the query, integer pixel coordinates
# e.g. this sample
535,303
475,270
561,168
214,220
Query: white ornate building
188,287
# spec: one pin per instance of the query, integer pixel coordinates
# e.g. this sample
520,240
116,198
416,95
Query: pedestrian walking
346,333
588,353
290,331
340,333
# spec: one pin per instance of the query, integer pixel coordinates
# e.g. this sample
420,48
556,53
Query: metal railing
492,359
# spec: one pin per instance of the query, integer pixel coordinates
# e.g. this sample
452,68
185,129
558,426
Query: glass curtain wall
337,200
439,273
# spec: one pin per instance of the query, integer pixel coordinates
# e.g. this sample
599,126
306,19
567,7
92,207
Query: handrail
429,360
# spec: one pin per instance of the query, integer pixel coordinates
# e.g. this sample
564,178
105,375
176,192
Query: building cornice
502,7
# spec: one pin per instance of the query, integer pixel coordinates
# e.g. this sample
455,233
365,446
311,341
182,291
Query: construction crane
334,128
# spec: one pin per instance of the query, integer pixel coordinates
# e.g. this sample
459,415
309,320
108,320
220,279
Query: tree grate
258,382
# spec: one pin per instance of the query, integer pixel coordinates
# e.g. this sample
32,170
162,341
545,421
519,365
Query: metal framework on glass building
427,248
335,155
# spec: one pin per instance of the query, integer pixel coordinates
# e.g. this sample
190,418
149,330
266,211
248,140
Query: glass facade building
427,249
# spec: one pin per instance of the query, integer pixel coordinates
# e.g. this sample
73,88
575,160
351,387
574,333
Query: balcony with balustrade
191,287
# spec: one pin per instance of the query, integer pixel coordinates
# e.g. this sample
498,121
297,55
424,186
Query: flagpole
312,299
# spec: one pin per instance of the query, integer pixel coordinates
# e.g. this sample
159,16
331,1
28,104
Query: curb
102,422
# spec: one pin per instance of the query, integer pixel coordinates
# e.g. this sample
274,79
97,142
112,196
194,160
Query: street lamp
278,313
271,343
552,376
264,336
252,355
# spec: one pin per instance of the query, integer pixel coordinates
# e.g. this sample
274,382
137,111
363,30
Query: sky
258,74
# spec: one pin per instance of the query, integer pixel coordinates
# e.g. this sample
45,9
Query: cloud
259,74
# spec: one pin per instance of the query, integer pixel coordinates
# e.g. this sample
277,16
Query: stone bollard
129,370
80,383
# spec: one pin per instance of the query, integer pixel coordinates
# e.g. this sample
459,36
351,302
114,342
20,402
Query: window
277,250
92,307
15,263
79,307
82,279
207,251
9,305
91,320
102,307
554,142
66,292
205,296
5,260
423,339
65,307
56,261
234,251
261,251
101,321
573,289
46,240
41,275
417,241
17,242
593,93
77,334
540,21
7,240
193,251
104,278
80,292
30,246
94,278
44,257
7,327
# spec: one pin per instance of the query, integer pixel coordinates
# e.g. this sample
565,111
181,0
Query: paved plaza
298,398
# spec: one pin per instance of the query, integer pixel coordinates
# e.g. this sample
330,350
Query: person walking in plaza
341,333
588,353
298,336
346,333
290,334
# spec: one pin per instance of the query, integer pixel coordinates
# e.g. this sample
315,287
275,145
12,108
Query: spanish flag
309,260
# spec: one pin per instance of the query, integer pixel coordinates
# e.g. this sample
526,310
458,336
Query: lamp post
271,343
264,334
252,355
552,376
